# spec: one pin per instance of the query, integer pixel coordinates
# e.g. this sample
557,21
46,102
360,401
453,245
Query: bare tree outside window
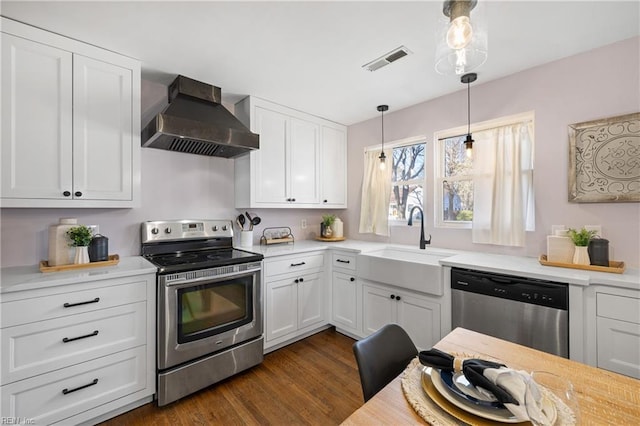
457,185
408,179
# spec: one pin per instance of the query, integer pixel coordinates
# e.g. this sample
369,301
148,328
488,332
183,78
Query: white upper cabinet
70,122
300,164
333,159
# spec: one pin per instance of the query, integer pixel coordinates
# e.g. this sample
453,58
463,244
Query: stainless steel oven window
213,308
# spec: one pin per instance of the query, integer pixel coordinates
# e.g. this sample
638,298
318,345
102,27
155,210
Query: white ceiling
308,55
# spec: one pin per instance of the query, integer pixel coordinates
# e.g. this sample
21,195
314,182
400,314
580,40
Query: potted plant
325,227
581,240
80,238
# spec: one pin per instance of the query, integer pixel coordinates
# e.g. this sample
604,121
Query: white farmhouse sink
413,269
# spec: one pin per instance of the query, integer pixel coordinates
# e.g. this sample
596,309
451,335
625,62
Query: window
407,177
456,184
494,196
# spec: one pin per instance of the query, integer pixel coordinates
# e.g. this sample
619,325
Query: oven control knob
215,228
224,227
154,231
167,230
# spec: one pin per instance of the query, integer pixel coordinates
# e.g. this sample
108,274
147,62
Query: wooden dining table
605,398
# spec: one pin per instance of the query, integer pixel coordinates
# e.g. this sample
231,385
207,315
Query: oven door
203,316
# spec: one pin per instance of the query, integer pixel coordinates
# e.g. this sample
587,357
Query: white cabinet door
619,346
344,300
304,162
281,308
420,318
270,180
36,120
310,300
333,158
102,130
378,308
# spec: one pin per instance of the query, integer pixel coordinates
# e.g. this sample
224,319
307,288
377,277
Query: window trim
413,140
438,166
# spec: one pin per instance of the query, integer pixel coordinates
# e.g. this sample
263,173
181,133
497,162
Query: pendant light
462,37
468,142
382,157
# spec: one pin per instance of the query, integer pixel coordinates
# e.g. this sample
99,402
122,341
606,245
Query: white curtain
376,193
503,185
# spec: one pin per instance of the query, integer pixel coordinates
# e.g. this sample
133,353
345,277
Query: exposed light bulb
383,161
468,146
460,33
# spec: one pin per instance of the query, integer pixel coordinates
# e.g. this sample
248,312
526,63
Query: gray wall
596,84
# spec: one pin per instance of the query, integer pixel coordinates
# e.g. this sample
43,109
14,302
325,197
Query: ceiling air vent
387,58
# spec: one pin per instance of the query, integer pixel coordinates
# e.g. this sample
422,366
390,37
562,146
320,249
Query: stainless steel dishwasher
527,311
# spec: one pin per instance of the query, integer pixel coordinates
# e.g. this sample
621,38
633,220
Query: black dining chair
382,356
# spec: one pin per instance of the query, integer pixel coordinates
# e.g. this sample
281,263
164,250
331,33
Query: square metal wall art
604,160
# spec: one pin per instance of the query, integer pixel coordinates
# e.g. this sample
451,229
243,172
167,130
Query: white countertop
19,278
498,263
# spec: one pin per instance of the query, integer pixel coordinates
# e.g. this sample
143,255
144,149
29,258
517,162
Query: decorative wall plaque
604,160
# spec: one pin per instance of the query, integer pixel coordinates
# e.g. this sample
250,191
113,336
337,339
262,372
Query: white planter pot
82,255
581,256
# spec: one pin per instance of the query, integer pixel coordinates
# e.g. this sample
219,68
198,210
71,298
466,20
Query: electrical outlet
303,224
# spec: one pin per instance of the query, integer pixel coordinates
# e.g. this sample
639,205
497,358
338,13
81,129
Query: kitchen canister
99,248
599,251
338,228
60,253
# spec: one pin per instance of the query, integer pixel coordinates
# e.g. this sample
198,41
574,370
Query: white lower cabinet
345,293
618,331
414,312
77,352
294,297
60,394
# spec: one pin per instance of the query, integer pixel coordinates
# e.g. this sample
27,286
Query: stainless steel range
209,304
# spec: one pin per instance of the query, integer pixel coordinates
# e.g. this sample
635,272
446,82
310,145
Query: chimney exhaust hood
195,122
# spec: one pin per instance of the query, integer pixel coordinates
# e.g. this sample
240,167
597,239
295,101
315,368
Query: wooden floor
311,382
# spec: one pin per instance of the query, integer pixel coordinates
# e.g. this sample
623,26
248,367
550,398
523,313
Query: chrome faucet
423,242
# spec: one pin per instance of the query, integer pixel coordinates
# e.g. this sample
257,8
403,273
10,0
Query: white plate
498,415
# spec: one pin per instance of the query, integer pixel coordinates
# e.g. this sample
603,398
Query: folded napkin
507,385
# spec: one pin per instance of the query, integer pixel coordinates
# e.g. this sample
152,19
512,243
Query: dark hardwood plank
311,382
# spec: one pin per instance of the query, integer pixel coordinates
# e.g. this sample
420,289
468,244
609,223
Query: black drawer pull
69,305
352,279
66,391
66,339
343,261
298,264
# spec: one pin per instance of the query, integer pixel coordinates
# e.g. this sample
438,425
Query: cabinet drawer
41,398
36,348
290,264
618,307
344,261
58,305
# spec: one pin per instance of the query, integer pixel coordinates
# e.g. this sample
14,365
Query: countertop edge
24,278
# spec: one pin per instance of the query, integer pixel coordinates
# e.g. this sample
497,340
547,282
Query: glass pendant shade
462,42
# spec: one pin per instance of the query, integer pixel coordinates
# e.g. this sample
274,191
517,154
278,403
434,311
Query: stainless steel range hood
195,122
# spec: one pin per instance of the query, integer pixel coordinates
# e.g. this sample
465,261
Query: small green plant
328,219
582,237
80,236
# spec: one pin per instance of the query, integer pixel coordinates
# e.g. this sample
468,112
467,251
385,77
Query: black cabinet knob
352,279
301,279
393,296
66,193
296,281
293,199
397,297
325,201
78,194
